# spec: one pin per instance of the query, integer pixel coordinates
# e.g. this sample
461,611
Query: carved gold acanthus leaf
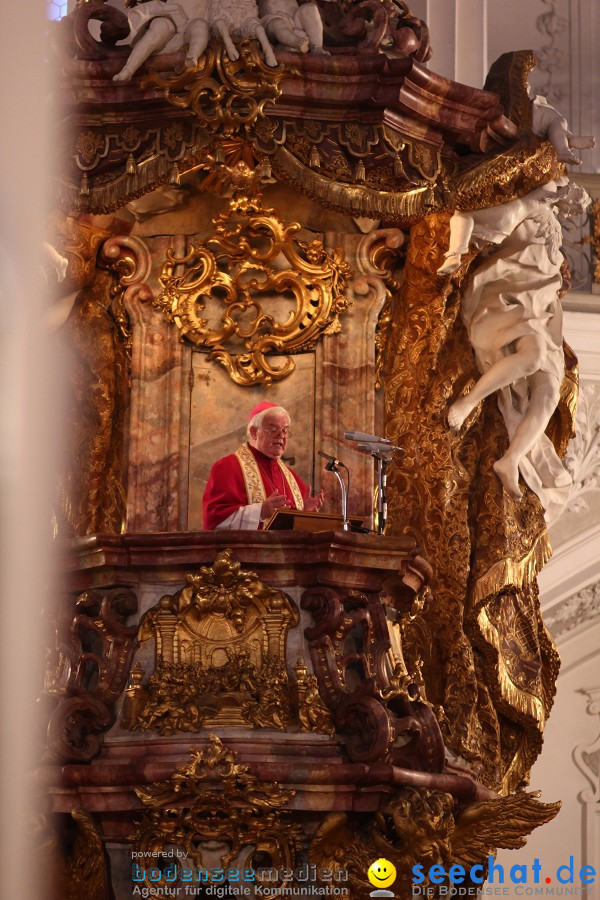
130,260
216,798
224,95
236,272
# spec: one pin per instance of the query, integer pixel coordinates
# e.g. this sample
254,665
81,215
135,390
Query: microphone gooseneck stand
345,522
383,460
381,449
333,465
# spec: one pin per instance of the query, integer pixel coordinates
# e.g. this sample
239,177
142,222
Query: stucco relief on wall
579,609
583,455
587,760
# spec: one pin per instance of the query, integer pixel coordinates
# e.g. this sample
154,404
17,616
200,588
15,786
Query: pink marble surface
157,461
312,766
284,558
346,401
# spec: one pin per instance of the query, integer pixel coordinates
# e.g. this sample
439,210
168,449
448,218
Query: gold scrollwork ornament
220,655
215,798
224,95
235,275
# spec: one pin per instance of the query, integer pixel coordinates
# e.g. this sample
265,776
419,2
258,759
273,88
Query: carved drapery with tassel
489,660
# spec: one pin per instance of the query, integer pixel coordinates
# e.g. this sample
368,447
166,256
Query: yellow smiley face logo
382,873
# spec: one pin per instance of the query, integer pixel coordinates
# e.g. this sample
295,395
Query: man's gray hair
257,420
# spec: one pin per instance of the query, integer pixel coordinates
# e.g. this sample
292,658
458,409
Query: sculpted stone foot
567,156
458,412
230,47
266,46
270,59
451,264
126,74
508,473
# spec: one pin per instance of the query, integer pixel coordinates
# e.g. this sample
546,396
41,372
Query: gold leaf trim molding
352,198
528,163
569,391
520,700
513,573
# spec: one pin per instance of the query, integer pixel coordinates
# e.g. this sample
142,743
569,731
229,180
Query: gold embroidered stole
255,489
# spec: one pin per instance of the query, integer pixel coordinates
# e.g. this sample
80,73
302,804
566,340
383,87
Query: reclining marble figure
158,27
513,316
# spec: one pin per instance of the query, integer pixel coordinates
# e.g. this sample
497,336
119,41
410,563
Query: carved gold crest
224,95
254,289
220,656
215,800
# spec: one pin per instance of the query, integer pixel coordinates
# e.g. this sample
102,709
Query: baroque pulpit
271,710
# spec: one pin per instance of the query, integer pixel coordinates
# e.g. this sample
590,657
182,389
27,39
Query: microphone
386,449
361,436
332,462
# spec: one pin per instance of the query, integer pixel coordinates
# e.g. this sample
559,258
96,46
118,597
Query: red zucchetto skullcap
261,408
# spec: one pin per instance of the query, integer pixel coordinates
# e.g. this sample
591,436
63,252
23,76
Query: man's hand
274,501
312,504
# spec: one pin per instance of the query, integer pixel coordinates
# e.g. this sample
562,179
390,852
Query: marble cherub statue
163,27
547,122
294,26
513,316
156,27
239,18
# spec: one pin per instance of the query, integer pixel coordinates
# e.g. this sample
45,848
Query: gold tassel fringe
508,573
520,700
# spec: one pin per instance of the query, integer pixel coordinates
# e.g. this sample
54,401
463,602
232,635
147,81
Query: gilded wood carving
236,278
247,818
220,655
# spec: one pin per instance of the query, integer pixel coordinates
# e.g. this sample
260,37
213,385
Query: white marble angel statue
239,18
159,27
164,27
514,319
547,122
294,26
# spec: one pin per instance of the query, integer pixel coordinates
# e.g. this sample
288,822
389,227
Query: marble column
346,390
158,437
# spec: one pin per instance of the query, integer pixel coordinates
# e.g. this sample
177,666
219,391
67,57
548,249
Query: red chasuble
225,489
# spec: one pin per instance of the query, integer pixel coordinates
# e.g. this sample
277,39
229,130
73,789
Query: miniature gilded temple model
278,205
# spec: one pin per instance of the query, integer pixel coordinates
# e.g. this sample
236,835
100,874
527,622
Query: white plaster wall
576,830
468,35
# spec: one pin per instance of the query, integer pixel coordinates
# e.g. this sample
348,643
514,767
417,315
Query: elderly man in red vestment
245,488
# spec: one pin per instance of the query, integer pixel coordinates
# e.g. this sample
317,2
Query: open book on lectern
300,520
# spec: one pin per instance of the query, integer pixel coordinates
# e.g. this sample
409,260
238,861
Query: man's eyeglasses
274,431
